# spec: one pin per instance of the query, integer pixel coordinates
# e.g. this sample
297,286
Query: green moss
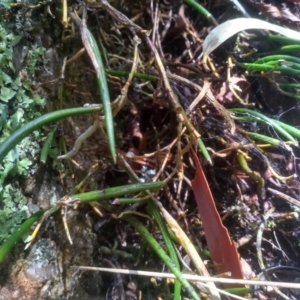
18,105
14,209
34,55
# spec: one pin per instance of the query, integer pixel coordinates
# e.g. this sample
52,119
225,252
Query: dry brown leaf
288,15
267,10
225,96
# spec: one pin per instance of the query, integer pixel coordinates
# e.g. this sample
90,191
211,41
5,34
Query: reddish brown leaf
225,96
221,247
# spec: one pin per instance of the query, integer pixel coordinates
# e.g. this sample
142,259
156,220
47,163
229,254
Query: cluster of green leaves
18,105
14,209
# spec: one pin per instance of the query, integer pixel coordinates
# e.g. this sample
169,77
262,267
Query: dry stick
121,100
64,211
76,56
285,197
179,161
64,20
155,23
194,277
154,274
205,88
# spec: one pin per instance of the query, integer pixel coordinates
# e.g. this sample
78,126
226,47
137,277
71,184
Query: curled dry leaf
227,29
